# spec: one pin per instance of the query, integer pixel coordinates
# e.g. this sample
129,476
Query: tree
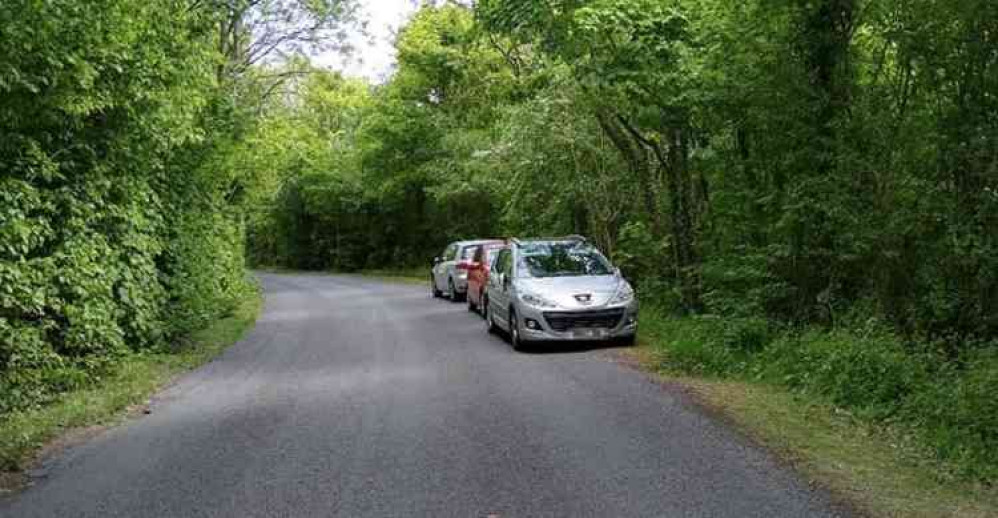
633,59
258,32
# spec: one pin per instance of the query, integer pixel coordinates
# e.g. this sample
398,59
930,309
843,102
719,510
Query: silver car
558,290
449,274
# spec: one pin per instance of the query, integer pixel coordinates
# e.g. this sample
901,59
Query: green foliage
116,230
958,416
638,253
871,373
708,344
385,177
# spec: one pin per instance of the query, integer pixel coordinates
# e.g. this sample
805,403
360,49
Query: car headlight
536,301
624,295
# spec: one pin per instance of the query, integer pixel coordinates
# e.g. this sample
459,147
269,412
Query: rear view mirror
437,260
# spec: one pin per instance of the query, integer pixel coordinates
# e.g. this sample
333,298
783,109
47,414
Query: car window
498,266
450,253
499,252
561,260
489,254
494,263
468,253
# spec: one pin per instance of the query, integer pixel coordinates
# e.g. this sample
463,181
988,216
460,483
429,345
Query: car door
488,261
451,263
476,275
435,269
499,282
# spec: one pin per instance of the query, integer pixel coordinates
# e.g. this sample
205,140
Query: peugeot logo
584,298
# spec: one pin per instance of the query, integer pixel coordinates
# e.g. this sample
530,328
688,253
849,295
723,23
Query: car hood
567,291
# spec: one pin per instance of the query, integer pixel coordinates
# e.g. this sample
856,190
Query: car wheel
629,341
515,339
433,288
490,324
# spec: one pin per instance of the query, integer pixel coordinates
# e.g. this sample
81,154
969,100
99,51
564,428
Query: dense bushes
870,373
707,344
107,244
956,413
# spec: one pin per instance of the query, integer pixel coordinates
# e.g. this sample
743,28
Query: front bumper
589,324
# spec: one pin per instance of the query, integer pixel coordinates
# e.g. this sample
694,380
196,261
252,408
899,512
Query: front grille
563,321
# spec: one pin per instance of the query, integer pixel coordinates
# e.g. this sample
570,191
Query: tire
490,325
433,288
518,343
628,341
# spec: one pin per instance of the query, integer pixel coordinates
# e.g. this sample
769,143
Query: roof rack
574,237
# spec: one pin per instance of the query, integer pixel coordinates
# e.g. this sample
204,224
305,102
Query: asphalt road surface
355,397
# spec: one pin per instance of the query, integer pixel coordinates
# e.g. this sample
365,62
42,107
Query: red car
478,273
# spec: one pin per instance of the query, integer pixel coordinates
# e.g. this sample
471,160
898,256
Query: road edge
805,435
27,438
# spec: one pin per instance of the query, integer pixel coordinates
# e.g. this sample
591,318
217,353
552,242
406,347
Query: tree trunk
637,158
673,159
680,186
825,39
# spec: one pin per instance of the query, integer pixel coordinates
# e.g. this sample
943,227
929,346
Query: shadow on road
546,348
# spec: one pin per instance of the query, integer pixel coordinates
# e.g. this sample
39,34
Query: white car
449,274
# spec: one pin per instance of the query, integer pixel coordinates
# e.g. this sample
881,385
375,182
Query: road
355,397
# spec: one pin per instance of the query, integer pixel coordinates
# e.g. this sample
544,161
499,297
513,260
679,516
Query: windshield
561,260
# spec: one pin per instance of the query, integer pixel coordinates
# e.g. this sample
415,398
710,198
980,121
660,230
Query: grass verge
403,275
24,434
875,469
407,275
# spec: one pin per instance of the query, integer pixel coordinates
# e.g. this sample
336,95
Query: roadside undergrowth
857,413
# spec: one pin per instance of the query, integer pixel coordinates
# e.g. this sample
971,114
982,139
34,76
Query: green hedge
115,234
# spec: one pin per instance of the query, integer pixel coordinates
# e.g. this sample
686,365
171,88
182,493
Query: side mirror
437,260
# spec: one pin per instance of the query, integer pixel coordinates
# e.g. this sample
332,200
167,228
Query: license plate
593,334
